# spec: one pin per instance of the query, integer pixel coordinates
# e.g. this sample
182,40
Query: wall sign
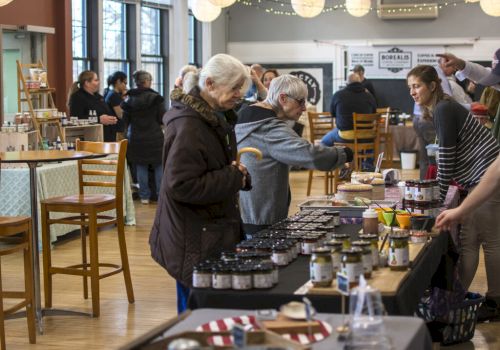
313,87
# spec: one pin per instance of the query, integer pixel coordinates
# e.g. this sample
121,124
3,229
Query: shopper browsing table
466,150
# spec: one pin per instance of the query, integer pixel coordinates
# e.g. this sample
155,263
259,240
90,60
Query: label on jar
352,271
374,256
320,272
409,193
280,258
366,260
221,281
399,257
423,194
336,261
307,248
262,280
242,282
436,194
275,275
202,280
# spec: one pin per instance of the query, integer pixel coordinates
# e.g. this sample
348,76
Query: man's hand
451,60
108,119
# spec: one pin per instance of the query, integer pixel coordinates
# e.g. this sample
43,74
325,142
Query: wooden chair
88,208
365,127
385,135
320,123
15,236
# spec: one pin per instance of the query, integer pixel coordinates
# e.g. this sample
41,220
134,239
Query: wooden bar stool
88,209
15,236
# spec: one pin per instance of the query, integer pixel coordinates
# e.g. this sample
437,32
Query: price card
342,284
239,336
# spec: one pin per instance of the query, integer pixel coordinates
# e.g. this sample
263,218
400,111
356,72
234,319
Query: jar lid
370,214
242,268
263,267
352,251
368,236
361,243
341,235
334,243
321,250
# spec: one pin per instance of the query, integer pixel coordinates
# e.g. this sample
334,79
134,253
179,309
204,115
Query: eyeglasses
301,102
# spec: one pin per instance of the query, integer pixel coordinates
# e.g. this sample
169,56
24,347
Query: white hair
224,70
186,69
189,81
286,84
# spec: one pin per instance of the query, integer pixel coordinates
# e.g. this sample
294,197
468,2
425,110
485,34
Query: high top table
33,158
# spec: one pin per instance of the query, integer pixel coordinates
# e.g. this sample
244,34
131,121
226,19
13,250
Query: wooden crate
17,140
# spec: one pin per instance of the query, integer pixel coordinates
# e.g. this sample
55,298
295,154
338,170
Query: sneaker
488,311
145,201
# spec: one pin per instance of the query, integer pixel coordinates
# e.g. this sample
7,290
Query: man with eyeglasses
352,99
264,125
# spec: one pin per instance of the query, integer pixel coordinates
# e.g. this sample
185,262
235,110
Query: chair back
115,168
366,127
320,123
384,118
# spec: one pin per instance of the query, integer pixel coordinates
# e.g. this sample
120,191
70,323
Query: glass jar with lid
310,241
262,276
352,265
370,222
373,239
242,277
202,276
280,254
221,276
366,256
424,192
336,253
321,268
344,237
399,252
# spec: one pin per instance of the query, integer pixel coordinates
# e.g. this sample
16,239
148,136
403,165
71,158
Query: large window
194,38
114,37
81,59
151,46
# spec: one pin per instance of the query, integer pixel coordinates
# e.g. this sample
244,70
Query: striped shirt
466,148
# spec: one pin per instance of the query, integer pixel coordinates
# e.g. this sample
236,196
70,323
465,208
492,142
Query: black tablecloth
293,276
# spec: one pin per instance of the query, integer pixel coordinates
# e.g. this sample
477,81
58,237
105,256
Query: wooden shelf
41,90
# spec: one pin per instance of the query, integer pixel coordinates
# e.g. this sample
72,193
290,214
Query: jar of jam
344,237
280,255
366,256
221,276
242,277
436,193
336,253
424,208
309,242
202,276
370,222
373,239
409,191
423,192
321,268
352,265
399,252
262,276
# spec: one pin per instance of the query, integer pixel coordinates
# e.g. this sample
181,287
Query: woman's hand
108,119
243,169
449,218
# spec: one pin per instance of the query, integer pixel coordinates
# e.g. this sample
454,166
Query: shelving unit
39,97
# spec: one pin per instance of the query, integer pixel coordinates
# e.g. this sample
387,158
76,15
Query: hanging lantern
308,8
358,8
222,3
471,0
491,7
204,11
5,2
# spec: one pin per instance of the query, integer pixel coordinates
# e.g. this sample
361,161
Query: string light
284,8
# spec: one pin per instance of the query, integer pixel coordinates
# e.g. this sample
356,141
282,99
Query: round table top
43,156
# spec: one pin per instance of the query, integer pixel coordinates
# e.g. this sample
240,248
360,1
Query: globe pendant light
358,8
491,7
204,11
308,8
222,3
5,2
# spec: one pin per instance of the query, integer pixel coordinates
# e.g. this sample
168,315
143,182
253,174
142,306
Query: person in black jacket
143,110
83,98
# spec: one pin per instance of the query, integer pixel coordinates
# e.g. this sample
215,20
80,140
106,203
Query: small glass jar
423,192
436,193
336,253
373,239
321,268
221,277
345,238
280,255
424,208
409,191
202,276
370,222
309,242
366,256
336,217
262,276
399,252
242,277
352,265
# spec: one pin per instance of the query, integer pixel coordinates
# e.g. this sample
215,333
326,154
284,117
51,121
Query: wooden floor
154,290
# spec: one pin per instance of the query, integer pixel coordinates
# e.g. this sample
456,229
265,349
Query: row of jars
352,259
241,275
327,218
421,191
423,208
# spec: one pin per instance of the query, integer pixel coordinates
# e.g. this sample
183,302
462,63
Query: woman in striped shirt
466,149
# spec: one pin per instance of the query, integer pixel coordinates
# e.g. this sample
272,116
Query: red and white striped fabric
226,324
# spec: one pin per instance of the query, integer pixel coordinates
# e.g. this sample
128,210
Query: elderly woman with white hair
197,214
263,125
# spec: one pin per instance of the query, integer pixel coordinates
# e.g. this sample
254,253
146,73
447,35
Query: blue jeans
334,137
182,297
142,177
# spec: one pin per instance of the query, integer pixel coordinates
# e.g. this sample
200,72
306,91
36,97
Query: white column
178,35
100,51
138,31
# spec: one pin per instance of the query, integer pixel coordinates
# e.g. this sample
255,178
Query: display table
406,333
404,138
54,179
400,296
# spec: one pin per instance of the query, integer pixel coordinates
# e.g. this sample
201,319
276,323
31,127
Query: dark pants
182,297
250,229
426,134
